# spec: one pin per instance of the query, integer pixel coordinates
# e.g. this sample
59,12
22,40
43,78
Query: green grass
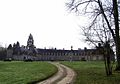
92,73
25,72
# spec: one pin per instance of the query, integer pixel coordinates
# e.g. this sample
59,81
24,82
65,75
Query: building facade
69,55
30,52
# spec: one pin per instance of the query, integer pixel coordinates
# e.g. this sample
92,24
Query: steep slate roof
65,51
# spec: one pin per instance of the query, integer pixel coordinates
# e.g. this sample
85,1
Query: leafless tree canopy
101,19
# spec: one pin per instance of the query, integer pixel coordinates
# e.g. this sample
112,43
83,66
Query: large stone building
33,53
69,55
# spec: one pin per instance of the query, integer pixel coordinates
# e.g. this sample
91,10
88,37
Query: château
30,52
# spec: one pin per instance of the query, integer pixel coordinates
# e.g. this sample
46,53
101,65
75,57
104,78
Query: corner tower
30,42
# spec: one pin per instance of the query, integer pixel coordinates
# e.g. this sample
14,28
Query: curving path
65,75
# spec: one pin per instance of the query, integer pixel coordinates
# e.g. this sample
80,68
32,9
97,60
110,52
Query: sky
47,20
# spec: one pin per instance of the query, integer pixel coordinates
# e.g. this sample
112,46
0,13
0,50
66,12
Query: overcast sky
47,20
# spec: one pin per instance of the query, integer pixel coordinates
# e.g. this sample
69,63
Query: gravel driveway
65,75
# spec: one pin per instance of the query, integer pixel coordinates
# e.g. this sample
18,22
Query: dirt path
65,75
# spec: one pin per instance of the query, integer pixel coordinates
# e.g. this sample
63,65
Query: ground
65,75
84,72
18,72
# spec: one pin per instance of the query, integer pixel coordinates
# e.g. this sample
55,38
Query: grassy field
24,72
92,73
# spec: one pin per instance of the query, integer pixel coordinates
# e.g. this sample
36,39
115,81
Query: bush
83,59
8,59
28,60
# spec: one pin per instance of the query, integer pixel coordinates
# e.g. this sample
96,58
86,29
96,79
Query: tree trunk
117,42
107,59
118,58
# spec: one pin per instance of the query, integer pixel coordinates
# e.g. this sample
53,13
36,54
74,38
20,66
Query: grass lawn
92,73
24,72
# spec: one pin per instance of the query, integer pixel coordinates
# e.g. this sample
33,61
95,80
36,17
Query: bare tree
103,14
98,34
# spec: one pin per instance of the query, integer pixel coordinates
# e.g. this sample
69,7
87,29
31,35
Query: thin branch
102,10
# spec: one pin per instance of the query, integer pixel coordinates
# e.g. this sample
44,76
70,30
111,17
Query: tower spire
30,42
